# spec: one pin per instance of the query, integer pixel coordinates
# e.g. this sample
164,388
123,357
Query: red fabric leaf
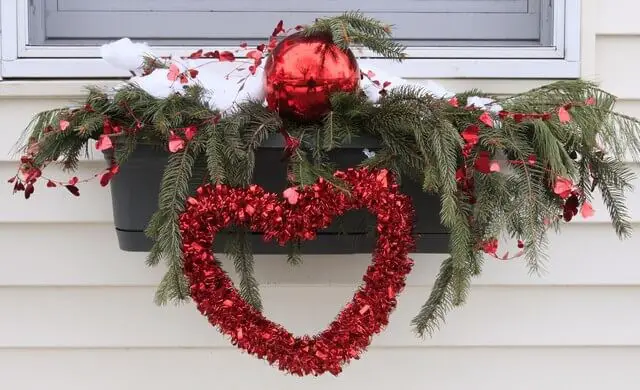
28,191
254,55
106,177
278,29
563,187
494,166
227,56
193,73
486,119
483,162
386,84
11,180
291,195
107,127
261,47
454,102
176,143
190,132
212,54
196,54
587,210
370,74
73,181
51,184
64,125
73,189
564,115
104,143
471,134
243,45
174,72
273,42
490,246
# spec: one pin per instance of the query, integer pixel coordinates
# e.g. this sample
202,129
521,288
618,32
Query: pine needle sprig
354,28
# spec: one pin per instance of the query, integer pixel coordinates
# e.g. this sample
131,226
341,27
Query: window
446,38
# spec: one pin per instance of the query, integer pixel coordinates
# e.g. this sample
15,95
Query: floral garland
305,211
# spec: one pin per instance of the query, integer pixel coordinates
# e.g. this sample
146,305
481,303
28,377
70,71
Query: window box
135,191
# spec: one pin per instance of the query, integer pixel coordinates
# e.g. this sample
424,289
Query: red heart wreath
305,211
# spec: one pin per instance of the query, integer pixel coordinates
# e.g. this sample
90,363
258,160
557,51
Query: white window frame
561,60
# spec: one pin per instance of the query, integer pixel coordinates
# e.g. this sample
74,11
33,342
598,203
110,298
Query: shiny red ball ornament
302,72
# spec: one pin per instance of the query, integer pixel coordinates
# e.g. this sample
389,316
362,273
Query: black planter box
135,191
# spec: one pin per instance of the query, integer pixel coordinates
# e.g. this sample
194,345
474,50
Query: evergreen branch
432,313
294,252
239,249
174,191
355,28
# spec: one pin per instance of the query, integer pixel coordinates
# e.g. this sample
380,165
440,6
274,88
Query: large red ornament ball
303,71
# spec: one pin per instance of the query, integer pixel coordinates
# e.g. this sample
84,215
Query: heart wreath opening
300,217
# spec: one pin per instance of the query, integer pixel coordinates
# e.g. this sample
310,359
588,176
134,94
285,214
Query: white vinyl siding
416,22
78,314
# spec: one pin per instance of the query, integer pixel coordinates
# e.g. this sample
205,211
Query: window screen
226,22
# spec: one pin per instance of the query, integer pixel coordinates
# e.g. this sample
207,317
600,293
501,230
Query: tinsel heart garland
215,207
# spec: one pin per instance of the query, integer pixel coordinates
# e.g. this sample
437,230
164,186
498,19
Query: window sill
29,68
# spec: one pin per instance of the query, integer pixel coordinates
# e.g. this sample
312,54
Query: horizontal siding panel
617,17
616,65
94,203
125,317
88,255
412,369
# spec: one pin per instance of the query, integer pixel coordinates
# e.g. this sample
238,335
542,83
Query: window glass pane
220,22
